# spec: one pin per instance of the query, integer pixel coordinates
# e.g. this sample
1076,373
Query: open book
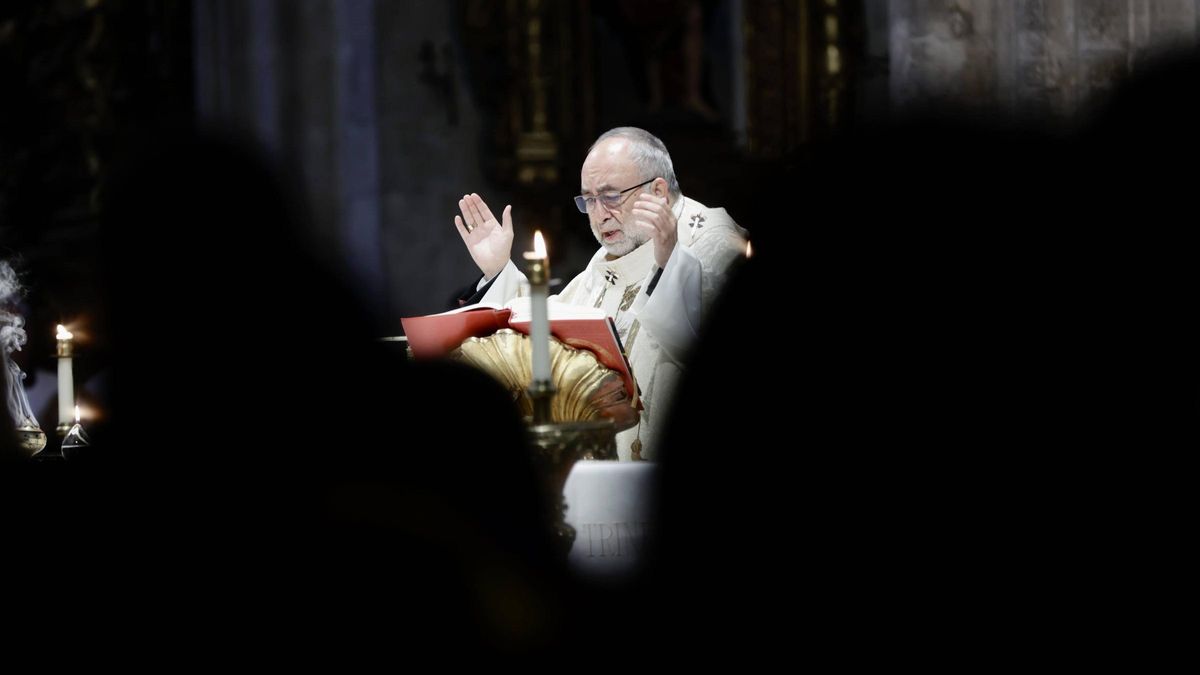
436,335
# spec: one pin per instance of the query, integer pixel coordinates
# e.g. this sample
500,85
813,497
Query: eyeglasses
610,200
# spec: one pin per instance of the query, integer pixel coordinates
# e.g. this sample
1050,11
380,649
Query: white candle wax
540,333
66,380
539,330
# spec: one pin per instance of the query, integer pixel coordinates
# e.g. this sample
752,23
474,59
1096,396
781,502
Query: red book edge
436,335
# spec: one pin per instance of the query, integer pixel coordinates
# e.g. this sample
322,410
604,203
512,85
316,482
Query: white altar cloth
609,504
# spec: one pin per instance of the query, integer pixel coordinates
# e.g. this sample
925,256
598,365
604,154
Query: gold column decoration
833,82
97,84
804,72
796,67
537,147
778,75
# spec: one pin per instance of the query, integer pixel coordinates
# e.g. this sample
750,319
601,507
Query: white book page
523,313
470,308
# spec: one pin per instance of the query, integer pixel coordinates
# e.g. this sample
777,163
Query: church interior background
501,98
386,112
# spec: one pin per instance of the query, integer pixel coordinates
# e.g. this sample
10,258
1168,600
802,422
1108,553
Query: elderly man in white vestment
662,259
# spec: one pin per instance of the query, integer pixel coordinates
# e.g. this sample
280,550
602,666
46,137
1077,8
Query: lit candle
76,439
75,428
66,379
539,331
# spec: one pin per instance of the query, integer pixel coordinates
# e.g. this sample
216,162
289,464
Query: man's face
609,169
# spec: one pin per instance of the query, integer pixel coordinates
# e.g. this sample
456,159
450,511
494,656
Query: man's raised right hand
489,241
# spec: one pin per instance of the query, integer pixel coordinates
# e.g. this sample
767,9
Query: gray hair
649,154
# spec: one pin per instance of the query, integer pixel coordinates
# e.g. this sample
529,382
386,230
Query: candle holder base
556,449
75,443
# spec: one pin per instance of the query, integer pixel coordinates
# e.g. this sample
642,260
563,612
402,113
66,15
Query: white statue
12,338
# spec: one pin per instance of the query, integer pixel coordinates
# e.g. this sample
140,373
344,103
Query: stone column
1051,57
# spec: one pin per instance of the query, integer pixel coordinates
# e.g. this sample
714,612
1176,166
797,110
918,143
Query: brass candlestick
541,394
556,449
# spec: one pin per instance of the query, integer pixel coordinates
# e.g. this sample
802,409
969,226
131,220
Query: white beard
624,246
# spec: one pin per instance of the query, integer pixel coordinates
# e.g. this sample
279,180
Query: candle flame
539,244
63,333
749,250
91,412
76,414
